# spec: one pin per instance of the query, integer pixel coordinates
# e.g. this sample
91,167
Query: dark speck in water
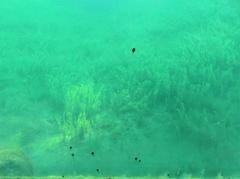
133,50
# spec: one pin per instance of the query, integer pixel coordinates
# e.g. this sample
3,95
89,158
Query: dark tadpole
70,147
133,50
97,170
92,153
136,158
72,154
139,161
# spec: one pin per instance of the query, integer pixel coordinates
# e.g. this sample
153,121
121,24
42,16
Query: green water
68,77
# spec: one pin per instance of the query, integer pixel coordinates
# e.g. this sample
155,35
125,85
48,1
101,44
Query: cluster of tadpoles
93,153
139,160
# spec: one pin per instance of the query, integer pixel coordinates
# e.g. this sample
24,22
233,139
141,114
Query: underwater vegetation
81,102
70,77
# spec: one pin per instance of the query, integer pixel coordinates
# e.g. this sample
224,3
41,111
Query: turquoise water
71,85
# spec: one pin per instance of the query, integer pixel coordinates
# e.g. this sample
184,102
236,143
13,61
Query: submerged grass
68,77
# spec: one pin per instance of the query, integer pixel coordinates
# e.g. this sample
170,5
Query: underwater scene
121,88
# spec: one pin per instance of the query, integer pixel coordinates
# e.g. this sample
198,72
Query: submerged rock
14,163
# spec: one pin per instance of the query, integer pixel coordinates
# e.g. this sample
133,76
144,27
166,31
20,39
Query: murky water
76,100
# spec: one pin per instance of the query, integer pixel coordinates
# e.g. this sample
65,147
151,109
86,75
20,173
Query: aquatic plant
82,105
82,98
73,128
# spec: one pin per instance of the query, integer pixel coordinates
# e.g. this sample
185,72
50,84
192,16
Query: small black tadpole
133,50
97,170
92,153
72,154
139,161
70,147
136,158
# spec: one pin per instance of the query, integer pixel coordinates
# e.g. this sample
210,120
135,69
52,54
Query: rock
14,163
